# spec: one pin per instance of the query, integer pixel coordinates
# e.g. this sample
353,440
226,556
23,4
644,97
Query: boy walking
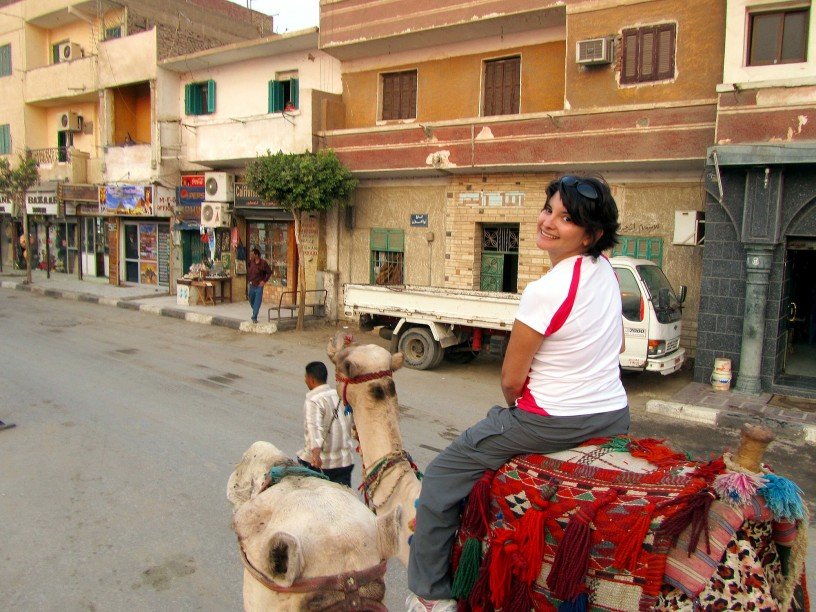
327,429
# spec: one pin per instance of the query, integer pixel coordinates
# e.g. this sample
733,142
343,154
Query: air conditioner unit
689,227
219,187
215,214
70,122
69,51
594,51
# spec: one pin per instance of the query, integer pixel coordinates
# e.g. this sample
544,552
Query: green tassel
618,444
468,570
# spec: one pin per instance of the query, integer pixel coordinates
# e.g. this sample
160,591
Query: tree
14,182
298,183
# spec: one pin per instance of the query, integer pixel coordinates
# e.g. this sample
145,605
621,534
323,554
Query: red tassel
475,518
533,548
708,471
500,568
692,511
521,600
572,558
626,556
655,452
479,598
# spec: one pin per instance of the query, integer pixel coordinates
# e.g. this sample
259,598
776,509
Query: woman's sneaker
418,604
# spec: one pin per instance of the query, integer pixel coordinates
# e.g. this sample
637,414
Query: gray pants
489,444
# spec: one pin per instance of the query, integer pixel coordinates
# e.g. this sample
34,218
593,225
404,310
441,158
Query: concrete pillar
758,267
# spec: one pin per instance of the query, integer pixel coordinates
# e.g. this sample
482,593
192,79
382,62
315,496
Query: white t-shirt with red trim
577,307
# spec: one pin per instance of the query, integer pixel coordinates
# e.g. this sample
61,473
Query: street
112,489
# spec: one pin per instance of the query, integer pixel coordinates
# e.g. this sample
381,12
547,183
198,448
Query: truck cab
651,317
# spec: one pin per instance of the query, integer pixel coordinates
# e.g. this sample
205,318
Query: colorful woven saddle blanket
597,528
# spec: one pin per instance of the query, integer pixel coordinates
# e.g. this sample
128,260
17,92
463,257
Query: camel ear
388,532
285,558
396,361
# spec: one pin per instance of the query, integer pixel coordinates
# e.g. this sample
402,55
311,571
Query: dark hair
318,371
592,213
256,251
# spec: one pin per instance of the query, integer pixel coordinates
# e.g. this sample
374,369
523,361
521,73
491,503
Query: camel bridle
347,583
354,380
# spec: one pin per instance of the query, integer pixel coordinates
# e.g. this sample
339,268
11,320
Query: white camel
306,543
365,382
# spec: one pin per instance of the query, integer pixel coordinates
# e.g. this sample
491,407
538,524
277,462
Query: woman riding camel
560,376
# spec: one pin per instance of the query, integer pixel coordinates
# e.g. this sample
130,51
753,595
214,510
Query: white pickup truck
428,324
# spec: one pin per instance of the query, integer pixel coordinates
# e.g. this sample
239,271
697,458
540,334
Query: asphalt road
112,485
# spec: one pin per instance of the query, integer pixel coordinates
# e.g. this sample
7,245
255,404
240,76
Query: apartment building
456,116
237,102
758,302
81,90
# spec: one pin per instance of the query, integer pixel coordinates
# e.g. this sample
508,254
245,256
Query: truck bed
454,306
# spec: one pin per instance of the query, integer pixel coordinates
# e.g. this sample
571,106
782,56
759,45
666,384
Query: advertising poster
126,200
148,241
147,273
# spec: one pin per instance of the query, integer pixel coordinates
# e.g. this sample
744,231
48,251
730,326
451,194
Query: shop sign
41,203
192,180
77,193
6,208
188,203
419,220
165,201
135,200
244,196
67,209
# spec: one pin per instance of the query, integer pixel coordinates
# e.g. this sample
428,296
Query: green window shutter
277,96
396,241
188,99
5,140
640,247
5,60
378,240
270,106
295,93
210,96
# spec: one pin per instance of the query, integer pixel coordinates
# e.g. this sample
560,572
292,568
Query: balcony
131,59
61,164
671,136
129,164
62,82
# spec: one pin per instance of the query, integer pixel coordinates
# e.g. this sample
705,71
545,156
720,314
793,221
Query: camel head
246,480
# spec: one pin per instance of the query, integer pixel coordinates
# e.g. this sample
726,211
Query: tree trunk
301,272
27,247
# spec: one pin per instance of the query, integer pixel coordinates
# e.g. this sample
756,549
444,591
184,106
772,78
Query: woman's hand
524,344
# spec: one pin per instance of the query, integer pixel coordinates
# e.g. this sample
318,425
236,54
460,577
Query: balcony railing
52,155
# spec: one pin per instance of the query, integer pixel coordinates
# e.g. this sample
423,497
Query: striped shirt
322,429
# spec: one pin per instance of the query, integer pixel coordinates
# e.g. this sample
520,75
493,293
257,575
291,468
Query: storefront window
272,240
143,246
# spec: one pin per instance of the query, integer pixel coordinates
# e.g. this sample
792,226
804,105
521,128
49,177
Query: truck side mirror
682,296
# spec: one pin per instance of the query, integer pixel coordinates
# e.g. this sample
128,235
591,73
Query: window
399,95
778,37
631,299
648,53
5,60
499,268
113,32
502,86
640,247
199,98
387,257
5,139
284,93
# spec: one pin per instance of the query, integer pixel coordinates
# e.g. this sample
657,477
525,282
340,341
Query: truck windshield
668,310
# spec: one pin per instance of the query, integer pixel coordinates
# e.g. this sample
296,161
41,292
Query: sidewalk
144,299
696,402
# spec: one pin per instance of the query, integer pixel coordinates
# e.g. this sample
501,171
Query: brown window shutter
490,88
647,55
388,106
512,79
408,95
629,70
665,51
501,86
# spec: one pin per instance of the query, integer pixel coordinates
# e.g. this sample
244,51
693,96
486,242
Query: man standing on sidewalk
257,275
328,443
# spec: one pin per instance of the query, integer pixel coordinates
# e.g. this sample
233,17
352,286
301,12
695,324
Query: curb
793,432
175,313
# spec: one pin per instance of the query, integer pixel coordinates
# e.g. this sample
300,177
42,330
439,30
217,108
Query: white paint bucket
721,376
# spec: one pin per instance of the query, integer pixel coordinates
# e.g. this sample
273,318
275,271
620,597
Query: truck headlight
657,347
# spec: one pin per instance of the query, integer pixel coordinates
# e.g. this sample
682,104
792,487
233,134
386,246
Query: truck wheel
420,350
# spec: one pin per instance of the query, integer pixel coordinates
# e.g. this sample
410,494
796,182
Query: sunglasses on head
585,188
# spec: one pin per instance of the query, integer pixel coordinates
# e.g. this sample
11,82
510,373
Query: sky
289,15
